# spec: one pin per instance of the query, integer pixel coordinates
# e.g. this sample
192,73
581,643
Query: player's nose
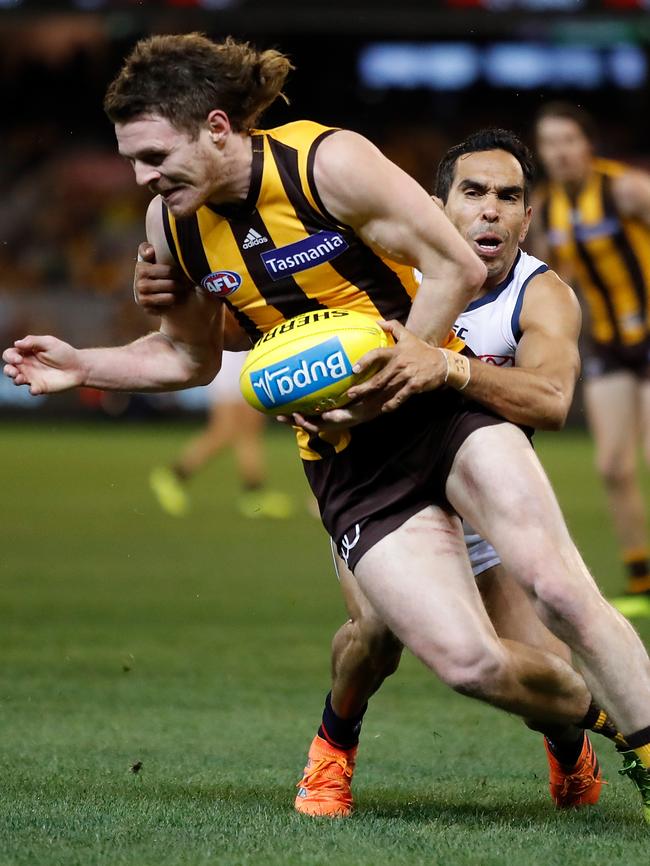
491,213
145,174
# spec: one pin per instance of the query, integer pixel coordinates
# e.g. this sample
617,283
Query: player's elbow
478,274
554,413
473,273
195,365
203,370
551,422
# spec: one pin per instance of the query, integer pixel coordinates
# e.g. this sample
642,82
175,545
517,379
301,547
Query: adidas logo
253,239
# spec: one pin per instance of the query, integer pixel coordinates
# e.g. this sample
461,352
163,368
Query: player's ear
526,225
219,124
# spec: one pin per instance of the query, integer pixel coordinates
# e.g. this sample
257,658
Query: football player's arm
631,193
538,390
235,339
184,352
158,286
396,218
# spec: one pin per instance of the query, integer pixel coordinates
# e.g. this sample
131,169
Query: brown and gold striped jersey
609,254
280,253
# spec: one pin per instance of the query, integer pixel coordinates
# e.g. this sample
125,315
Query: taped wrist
458,370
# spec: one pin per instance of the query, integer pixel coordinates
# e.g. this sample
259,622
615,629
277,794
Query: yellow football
305,364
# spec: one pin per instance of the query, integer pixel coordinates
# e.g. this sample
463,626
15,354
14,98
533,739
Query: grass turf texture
199,648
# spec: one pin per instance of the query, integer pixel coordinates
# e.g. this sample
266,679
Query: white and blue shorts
481,553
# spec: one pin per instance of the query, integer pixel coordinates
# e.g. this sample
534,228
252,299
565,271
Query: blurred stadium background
415,78
200,647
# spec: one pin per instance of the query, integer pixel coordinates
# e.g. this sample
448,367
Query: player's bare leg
231,424
364,651
248,445
436,609
615,411
644,404
169,484
526,526
219,433
636,601
513,615
575,777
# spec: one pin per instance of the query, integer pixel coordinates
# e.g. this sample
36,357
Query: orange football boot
324,789
575,787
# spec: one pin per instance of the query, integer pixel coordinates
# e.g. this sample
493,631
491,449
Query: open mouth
488,244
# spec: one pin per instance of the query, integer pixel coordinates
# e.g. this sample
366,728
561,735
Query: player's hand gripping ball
305,364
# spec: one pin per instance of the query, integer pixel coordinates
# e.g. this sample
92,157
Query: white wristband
458,369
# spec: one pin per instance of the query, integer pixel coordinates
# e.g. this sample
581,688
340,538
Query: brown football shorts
393,467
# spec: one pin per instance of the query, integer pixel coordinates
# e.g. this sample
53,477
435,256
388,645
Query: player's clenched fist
45,364
157,287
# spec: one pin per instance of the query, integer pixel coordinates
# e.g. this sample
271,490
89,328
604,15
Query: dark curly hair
485,139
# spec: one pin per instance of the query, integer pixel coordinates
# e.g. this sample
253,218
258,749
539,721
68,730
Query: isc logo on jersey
314,370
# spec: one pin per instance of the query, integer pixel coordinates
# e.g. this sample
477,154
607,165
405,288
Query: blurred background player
594,228
232,423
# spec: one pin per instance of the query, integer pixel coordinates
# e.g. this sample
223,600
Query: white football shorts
481,553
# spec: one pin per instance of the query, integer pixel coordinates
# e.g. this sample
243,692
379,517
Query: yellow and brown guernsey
280,254
608,254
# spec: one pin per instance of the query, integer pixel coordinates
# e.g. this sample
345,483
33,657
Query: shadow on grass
604,819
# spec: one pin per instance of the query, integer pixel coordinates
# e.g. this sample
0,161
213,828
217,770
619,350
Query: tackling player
525,317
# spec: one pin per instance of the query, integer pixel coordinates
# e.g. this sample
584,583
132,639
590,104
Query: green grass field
200,648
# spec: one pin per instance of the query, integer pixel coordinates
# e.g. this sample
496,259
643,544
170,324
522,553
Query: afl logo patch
222,282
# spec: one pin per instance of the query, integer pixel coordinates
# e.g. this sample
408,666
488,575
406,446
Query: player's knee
537,725
565,607
615,472
382,648
375,645
478,674
388,652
